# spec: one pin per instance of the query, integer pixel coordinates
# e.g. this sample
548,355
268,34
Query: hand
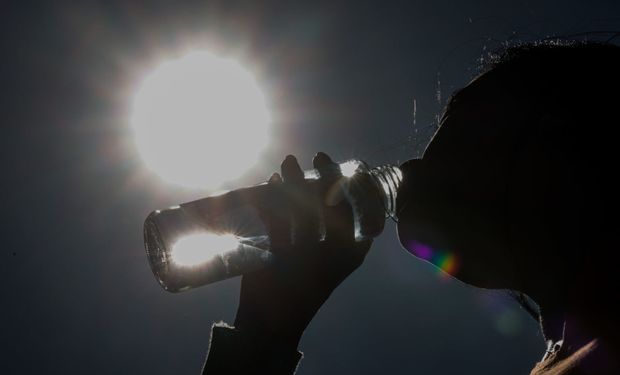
280,301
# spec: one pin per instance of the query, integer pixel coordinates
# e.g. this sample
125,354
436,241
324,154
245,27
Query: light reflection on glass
349,168
198,248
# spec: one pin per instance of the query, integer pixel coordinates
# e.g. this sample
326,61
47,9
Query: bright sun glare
200,120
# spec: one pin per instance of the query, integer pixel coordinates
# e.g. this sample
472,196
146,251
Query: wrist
252,353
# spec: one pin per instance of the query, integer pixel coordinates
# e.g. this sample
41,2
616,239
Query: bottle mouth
156,250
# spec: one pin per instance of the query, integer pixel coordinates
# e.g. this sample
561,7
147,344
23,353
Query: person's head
517,188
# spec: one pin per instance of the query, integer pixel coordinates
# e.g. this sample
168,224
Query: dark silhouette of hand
278,302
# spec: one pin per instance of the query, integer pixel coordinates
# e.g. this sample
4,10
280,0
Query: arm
277,303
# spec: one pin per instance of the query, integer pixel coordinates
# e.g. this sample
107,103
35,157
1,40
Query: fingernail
275,177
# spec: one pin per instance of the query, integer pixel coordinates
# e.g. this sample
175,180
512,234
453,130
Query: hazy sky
78,295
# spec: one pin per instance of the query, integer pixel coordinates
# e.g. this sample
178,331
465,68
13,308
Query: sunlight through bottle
223,236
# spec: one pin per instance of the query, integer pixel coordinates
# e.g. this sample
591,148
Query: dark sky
78,295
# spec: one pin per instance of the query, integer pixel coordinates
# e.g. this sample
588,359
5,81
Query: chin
471,267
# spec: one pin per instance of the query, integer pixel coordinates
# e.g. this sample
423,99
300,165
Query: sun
200,120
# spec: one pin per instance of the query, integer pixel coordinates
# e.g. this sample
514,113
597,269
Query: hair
569,77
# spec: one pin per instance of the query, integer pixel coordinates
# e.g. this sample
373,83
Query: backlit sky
341,77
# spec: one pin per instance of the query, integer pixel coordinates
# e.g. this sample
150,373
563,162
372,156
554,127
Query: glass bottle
222,236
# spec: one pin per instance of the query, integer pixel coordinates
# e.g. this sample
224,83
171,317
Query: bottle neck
388,178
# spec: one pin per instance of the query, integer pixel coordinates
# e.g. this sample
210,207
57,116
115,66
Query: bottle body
223,236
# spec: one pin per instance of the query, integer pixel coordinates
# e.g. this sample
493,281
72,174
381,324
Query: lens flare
445,261
199,248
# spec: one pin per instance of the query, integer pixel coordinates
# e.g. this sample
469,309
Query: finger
291,171
339,223
329,171
275,178
302,201
278,219
330,175
323,162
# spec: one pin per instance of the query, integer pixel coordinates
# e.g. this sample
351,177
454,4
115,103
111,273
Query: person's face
451,205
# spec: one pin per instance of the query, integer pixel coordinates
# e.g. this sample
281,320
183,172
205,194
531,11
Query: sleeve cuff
232,352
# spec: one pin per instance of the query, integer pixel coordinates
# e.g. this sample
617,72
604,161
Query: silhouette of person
518,183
